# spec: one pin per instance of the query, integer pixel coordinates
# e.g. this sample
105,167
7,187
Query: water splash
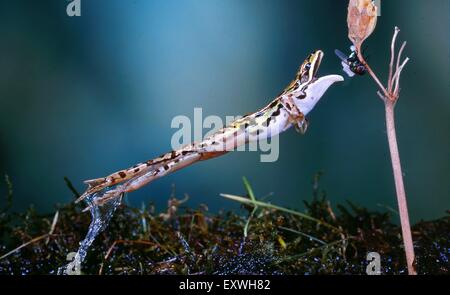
101,216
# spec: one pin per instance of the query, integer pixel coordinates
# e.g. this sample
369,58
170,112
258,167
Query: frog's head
309,67
307,88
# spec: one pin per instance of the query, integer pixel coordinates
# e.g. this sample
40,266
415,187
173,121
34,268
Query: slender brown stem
399,56
372,74
37,239
395,92
399,186
391,65
390,96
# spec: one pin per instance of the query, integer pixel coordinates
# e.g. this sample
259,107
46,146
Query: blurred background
85,96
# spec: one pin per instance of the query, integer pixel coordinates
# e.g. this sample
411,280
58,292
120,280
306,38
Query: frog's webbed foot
105,197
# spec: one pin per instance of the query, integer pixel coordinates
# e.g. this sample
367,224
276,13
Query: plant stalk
399,186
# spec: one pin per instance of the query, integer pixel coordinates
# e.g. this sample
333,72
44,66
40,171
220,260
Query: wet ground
182,240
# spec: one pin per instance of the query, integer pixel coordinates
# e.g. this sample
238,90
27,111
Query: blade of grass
248,188
302,234
9,194
255,206
71,187
325,246
275,207
247,224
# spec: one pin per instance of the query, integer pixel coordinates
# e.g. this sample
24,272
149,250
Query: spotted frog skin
288,109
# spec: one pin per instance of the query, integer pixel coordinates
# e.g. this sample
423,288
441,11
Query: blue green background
85,96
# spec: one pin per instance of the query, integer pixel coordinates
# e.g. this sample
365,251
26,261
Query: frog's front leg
301,126
295,116
300,123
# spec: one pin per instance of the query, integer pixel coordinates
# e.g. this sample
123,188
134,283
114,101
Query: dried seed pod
361,20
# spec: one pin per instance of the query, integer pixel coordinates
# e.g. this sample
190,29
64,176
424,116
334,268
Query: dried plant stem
391,65
34,240
390,95
371,72
399,186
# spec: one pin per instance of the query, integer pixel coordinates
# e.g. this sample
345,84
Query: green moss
196,241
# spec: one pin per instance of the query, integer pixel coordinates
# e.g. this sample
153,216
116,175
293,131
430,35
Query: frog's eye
307,66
